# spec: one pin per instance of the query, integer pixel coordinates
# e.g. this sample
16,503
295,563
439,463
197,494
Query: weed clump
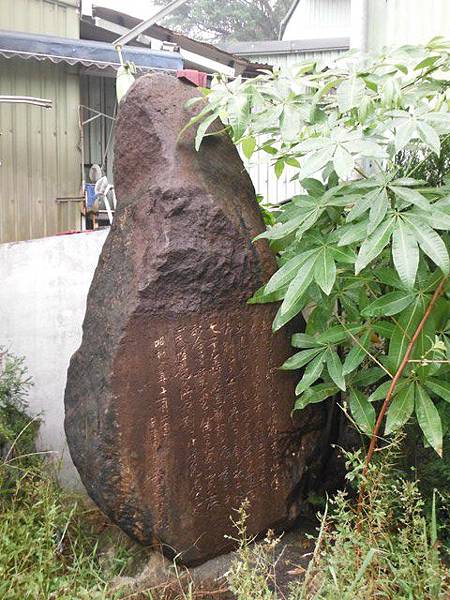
390,550
48,538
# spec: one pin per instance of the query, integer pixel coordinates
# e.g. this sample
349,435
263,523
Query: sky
135,8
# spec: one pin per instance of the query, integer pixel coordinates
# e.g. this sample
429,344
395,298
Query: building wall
39,151
40,172
42,304
398,22
319,19
50,17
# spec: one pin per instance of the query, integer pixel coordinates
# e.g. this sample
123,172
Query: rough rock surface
175,409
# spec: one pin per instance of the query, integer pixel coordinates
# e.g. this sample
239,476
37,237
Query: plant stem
398,374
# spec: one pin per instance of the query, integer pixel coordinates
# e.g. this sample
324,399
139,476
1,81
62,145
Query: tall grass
48,538
389,552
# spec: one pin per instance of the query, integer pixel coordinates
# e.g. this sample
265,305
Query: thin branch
358,170
355,339
373,442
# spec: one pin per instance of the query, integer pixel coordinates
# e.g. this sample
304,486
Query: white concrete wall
43,289
319,19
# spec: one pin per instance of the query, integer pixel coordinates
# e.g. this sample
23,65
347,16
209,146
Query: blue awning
84,52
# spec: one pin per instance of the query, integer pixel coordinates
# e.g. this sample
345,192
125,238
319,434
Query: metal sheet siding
398,22
39,149
39,152
41,16
260,166
319,18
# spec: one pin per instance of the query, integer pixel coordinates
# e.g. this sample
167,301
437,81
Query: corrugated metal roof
298,47
82,52
89,31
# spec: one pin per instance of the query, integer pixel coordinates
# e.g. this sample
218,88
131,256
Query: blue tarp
85,52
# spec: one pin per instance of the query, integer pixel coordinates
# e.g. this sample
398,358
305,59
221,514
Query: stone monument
176,411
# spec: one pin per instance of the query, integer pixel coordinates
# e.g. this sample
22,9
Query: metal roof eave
83,52
273,47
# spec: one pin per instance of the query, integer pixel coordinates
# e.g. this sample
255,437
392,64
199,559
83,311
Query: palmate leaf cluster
364,246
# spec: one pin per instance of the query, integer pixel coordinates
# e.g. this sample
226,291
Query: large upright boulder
175,409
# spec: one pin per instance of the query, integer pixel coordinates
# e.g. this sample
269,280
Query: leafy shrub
363,250
16,427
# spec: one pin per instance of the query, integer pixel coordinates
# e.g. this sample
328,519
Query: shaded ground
147,575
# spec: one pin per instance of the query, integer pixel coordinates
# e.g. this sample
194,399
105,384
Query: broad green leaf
405,253
389,277
350,93
381,392
337,334
429,136
404,330
439,387
374,244
281,319
239,113
325,271
334,367
202,129
277,232
314,187
378,210
299,285
300,359
315,394
310,220
404,133
361,204
436,219
315,162
311,374
362,411
302,340
279,168
368,376
262,297
195,119
400,409
343,162
343,255
270,149
429,419
431,244
292,162
291,120
408,182
348,234
411,196
389,304
426,62
384,328
357,354
248,146
288,271
325,89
